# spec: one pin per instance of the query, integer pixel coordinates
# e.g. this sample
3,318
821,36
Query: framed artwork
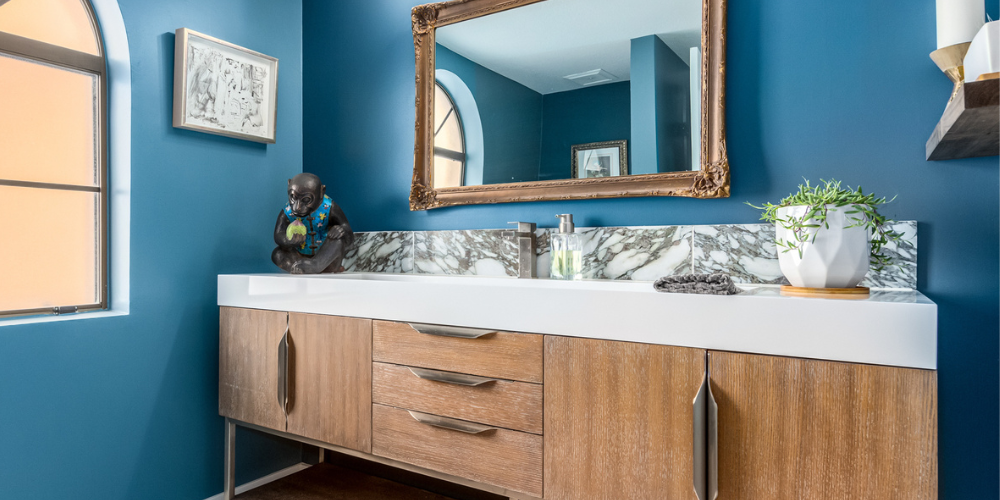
224,89
600,159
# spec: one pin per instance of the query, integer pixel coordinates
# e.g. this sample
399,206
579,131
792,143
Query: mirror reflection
568,89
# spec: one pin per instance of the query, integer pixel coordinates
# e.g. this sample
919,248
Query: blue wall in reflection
528,136
591,114
511,115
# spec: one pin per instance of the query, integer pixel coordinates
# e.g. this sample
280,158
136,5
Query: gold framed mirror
702,173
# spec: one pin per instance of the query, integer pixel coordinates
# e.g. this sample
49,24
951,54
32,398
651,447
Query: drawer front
511,356
500,403
501,457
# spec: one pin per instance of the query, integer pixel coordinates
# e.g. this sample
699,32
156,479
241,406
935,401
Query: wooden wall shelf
970,125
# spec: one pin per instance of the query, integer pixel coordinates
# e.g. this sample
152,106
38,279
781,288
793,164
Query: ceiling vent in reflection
592,77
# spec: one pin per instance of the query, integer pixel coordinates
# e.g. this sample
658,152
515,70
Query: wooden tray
856,293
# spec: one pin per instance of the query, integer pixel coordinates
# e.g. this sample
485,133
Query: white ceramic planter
838,258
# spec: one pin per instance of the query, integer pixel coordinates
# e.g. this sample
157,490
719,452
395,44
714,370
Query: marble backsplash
744,251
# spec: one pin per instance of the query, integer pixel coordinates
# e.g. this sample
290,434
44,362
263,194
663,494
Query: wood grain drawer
500,403
511,356
501,457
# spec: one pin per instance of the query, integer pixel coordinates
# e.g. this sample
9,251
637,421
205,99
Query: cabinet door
619,419
794,428
248,365
330,379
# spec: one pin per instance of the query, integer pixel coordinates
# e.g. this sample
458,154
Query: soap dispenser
566,251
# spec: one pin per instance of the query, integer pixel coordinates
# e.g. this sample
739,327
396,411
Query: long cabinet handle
450,378
700,438
706,439
713,438
450,331
450,423
283,373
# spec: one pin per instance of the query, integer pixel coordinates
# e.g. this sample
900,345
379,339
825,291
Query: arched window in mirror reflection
449,141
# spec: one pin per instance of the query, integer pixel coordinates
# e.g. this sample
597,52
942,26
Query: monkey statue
312,232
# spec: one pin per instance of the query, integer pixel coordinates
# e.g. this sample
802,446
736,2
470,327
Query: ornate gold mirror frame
711,181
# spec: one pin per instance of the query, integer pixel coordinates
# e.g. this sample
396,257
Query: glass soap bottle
566,251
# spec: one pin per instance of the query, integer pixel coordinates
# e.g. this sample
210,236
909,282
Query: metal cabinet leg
229,489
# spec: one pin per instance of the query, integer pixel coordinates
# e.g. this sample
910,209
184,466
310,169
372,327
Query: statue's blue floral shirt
316,225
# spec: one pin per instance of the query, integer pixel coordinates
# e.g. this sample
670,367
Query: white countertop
892,327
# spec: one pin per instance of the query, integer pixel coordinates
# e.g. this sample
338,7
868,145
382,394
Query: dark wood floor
330,482
327,481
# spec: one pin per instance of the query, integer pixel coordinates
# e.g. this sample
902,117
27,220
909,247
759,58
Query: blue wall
127,407
511,115
661,87
815,89
590,114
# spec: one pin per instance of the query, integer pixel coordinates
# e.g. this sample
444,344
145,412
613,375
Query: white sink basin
890,328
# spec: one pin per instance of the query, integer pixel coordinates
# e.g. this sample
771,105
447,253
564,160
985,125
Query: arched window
53,158
449,141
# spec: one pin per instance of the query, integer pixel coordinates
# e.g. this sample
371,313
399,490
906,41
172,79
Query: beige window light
53,165
449,141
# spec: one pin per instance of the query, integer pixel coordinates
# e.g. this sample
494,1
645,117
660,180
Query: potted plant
829,236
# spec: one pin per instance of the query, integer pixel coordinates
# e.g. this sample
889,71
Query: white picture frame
224,89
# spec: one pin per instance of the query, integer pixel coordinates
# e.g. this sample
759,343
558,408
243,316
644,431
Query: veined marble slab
467,252
626,253
903,274
381,252
747,253
744,251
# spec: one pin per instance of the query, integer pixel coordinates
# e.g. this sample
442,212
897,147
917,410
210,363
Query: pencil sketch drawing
225,91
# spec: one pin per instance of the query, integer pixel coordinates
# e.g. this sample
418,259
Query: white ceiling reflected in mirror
508,90
556,75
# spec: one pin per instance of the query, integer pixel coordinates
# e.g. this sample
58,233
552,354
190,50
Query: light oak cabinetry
330,361
619,420
496,402
248,365
463,402
795,428
565,418
504,355
318,385
509,459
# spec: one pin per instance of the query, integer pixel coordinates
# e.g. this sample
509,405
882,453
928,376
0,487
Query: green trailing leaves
862,212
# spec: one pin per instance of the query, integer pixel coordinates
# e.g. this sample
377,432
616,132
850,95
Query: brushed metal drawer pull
700,445
706,439
713,439
283,372
450,378
450,331
450,423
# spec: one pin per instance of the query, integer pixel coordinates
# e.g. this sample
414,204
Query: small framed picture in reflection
600,159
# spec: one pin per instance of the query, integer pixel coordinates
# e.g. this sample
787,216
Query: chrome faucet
524,236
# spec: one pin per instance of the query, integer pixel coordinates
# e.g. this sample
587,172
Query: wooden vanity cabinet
794,428
330,379
466,404
327,374
619,419
564,418
248,365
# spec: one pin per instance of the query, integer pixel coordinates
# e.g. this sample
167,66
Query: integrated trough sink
893,327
